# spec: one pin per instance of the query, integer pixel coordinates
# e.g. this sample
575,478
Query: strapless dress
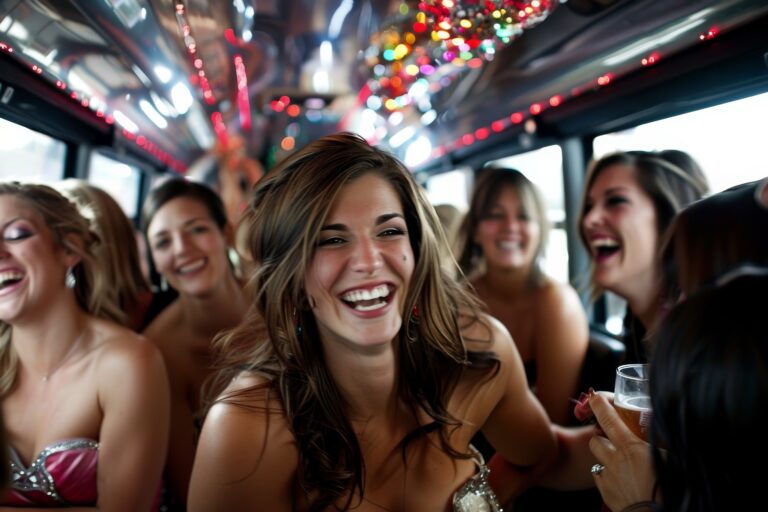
64,473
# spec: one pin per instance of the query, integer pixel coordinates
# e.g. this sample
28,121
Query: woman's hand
628,475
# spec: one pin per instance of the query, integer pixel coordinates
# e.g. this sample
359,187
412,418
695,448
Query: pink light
536,108
555,100
516,118
220,128
243,102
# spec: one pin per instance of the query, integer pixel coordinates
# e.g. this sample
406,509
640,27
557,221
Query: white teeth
509,245
191,267
378,305
379,292
10,275
604,242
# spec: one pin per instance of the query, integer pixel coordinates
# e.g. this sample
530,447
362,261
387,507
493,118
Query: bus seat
604,353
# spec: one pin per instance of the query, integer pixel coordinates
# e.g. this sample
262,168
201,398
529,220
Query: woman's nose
367,258
592,217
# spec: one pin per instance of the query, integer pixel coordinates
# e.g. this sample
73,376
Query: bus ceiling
436,82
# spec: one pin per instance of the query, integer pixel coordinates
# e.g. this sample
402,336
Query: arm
629,475
566,470
517,426
134,399
246,460
561,344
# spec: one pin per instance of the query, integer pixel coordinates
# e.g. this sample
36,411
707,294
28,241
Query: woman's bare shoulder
122,353
246,447
484,332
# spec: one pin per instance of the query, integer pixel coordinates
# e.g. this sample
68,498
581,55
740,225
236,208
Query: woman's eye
392,232
15,234
334,240
160,244
199,229
615,200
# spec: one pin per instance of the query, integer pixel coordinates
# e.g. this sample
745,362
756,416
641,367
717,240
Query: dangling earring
69,280
415,313
163,283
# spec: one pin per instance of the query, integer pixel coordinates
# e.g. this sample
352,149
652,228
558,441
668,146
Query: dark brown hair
286,213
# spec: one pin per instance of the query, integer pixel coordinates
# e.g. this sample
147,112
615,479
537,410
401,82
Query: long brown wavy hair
63,220
287,210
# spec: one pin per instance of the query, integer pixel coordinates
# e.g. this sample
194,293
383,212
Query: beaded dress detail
476,495
63,474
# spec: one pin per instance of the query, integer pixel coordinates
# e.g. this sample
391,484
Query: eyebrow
381,219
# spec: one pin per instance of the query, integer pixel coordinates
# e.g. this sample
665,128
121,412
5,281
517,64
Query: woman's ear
71,256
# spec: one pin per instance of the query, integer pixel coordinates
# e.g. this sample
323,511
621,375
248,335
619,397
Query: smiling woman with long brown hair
364,370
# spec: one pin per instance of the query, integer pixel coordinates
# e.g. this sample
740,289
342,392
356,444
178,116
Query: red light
536,108
650,60
467,139
293,110
482,133
419,27
709,34
516,118
229,35
604,80
497,126
555,100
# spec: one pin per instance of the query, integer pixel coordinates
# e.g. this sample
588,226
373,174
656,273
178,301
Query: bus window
544,167
29,156
727,140
452,187
121,180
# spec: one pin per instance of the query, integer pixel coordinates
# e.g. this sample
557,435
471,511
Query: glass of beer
632,398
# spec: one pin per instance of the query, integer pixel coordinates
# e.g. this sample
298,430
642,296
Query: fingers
609,420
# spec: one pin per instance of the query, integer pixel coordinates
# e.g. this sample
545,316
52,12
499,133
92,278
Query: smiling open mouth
10,278
367,300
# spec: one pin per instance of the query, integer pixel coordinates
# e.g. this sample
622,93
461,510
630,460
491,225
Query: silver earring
69,280
163,283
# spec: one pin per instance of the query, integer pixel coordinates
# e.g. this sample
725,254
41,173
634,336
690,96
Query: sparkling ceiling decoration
433,41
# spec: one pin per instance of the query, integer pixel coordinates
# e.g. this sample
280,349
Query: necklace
71,352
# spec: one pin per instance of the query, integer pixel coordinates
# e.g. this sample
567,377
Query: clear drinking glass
632,398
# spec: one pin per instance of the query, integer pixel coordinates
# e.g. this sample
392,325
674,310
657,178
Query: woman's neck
643,301
368,382
503,282
222,309
44,342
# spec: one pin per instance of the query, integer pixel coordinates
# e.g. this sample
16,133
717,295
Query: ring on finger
597,469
